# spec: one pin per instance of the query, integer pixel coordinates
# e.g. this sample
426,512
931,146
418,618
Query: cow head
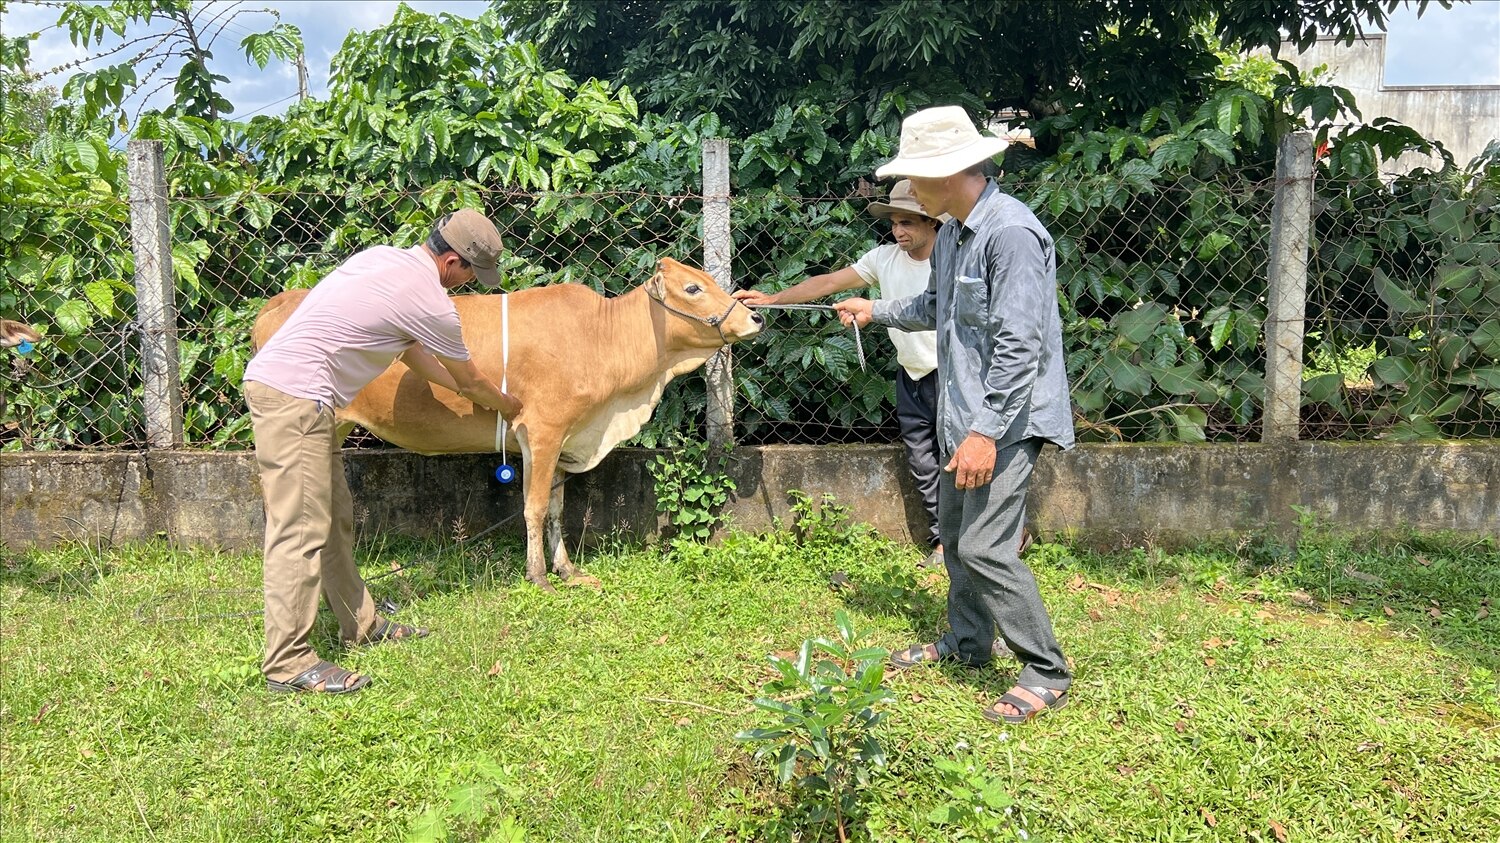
694,295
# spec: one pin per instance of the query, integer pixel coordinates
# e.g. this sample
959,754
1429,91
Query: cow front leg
540,464
561,564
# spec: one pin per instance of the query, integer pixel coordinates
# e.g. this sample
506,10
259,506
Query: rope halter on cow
655,292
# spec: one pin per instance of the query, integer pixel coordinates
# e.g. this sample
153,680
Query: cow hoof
583,579
544,584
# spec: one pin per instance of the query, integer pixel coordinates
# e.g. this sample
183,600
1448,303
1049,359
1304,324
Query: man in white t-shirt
898,270
380,303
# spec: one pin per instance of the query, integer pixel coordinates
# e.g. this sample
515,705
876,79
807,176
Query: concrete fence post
718,256
155,294
1286,300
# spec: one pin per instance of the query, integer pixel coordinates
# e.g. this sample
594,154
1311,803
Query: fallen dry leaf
684,722
1180,726
86,752
916,697
1279,830
1435,612
1076,583
662,640
495,669
1423,561
1208,661
1208,817
1263,615
1302,598
1389,612
46,707
1483,613
1095,614
1126,770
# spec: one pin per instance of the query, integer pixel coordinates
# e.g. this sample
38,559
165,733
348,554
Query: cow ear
657,287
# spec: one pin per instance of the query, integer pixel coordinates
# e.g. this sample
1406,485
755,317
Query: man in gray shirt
1002,394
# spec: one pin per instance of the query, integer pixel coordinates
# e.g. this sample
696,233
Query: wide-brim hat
473,236
938,142
901,201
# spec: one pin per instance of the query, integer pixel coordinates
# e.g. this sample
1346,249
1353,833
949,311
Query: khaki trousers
309,545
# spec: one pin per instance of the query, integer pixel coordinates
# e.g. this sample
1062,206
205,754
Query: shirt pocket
971,298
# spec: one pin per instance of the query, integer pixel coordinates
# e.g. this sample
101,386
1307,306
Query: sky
1457,46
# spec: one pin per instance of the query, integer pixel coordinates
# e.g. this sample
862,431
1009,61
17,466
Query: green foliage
977,805
691,487
880,59
822,740
471,812
1419,278
426,100
1161,235
824,523
180,31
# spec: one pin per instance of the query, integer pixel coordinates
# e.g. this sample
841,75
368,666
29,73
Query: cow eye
692,289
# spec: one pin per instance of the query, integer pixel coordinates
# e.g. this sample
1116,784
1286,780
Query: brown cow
588,371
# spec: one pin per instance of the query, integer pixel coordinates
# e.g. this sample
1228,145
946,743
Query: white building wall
1465,118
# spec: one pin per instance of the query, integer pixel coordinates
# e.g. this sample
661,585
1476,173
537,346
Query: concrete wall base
1108,494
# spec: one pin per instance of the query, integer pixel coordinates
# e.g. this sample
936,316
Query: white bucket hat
938,142
901,201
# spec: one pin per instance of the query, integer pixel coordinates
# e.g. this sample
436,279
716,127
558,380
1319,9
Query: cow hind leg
561,564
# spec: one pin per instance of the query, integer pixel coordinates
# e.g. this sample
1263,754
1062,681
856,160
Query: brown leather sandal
322,678
1042,700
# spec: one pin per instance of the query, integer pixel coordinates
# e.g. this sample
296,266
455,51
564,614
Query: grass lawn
1338,691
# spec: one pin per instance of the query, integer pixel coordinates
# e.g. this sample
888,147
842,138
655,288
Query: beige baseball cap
475,238
938,142
901,201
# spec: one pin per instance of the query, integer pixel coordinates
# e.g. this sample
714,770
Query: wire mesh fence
1163,292
67,271
1403,318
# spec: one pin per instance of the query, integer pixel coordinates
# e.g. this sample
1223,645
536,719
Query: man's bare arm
462,377
815,287
428,367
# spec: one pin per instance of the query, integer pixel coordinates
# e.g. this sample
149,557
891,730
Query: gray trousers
988,584
916,412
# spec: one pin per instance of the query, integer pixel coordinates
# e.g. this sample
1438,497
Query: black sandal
322,678
389,630
1051,700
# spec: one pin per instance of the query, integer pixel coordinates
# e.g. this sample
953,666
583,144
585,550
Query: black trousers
916,411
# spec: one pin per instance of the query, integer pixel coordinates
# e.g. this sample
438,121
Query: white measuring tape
500,423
